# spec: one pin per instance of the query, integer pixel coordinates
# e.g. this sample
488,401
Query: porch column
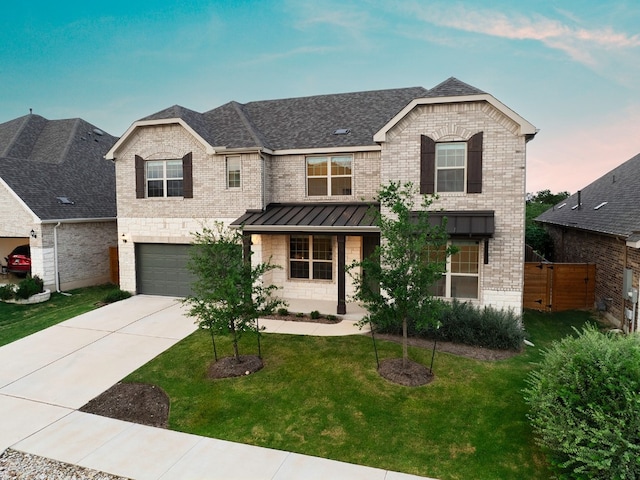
342,304
246,247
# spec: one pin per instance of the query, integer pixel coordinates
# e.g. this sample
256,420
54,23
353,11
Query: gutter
78,220
55,259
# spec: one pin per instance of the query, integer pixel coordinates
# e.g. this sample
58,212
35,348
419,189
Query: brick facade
611,256
280,177
503,184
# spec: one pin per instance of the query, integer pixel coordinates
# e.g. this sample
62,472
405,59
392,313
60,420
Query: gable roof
44,160
308,123
618,216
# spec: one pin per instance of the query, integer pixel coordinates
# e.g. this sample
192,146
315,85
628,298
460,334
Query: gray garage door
161,269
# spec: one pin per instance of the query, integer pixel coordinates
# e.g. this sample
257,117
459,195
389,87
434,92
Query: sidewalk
46,377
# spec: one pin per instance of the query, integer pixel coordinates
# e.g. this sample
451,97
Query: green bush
29,286
7,291
488,327
585,405
283,312
116,295
462,322
315,314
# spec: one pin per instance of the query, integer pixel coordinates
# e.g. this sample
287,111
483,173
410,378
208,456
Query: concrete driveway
46,377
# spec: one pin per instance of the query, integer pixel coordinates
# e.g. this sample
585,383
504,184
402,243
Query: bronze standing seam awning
353,218
333,218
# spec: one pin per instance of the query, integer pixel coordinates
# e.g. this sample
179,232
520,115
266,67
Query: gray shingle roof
619,216
307,122
42,159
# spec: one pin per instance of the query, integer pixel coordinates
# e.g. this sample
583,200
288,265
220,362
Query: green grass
322,396
17,321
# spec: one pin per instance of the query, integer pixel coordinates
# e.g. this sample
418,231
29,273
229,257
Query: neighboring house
57,194
600,224
298,173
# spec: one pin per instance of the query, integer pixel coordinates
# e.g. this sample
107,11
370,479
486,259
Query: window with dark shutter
427,164
187,175
474,164
140,183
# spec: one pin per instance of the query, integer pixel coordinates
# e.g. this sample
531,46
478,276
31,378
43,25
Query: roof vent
97,131
599,206
563,205
65,201
342,131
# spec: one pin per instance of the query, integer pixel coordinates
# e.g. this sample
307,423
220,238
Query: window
164,178
233,172
311,257
462,276
329,176
450,166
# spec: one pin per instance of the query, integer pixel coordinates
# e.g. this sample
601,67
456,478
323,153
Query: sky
569,67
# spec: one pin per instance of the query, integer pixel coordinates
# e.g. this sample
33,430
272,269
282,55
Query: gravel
24,466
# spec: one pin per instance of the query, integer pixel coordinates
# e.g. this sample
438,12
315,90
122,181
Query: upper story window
451,166
233,172
164,178
311,257
329,176
451,159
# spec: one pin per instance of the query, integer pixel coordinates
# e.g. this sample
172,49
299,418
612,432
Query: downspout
55,259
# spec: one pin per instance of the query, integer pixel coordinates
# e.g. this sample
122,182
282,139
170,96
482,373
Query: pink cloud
571,159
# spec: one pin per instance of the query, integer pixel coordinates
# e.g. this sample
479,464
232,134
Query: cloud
583,45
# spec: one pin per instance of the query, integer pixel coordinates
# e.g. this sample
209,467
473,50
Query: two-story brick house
298,173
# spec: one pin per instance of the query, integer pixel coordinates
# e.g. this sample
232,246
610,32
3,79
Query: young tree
228,293
396,283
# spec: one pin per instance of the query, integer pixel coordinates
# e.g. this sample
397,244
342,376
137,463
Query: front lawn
322,396
17,321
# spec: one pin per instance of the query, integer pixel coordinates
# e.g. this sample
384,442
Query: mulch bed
411,375
229,367
132,402
292,317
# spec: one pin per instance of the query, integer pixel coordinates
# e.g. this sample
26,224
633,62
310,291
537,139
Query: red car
19,260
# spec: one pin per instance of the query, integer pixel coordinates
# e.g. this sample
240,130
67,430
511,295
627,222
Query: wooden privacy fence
554,287
114,266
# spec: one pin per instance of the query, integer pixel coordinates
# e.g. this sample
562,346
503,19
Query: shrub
299,314
7,291
29,286
585,405
315,314
283,312
462,322
488,327
116,295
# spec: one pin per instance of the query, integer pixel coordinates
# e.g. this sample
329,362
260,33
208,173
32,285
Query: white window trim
227,171
448,274
465,168
164,178
328,176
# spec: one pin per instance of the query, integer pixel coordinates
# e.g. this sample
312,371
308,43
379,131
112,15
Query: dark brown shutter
187,176
427,165
474,164
140,187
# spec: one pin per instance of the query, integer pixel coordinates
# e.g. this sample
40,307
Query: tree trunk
235,345
405,342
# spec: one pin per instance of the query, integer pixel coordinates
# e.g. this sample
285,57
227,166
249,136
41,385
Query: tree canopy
396,283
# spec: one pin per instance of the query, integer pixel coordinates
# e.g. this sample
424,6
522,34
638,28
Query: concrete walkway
46,377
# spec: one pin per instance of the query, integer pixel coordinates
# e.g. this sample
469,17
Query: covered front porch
313,243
